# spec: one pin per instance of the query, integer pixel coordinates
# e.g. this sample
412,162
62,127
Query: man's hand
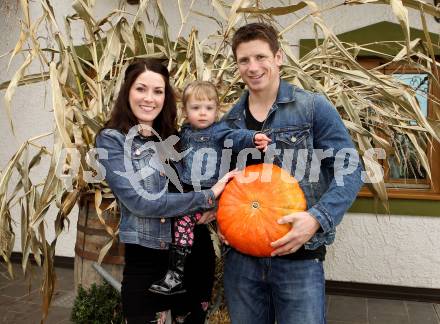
221,237
304,226
261,141
207,217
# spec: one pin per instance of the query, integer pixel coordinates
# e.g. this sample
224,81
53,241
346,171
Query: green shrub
97,305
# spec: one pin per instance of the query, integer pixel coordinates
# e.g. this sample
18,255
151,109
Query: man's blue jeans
262,290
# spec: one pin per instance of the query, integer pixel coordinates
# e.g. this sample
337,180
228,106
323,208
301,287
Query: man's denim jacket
136,176
201,165
299,123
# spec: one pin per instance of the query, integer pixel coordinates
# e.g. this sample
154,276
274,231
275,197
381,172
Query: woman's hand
221,184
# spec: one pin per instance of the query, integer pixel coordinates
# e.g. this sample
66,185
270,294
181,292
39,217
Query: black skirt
143,266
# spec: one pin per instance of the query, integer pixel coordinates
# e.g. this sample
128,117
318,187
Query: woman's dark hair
122,118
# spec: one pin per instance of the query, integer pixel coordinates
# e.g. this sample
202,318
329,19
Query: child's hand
261,141
162,317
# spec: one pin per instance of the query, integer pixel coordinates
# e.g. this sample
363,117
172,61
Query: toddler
204,139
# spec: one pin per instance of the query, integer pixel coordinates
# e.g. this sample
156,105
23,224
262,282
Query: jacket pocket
154,229
294,148
148,227
291,137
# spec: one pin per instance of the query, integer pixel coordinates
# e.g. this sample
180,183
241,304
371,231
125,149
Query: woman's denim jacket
306,128
201,164
136,176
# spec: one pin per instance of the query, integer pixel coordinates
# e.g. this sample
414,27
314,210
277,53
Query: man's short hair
256,31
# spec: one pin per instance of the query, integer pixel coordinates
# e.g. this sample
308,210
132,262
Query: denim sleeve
241,138
330,133
168,205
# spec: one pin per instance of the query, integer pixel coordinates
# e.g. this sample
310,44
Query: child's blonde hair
200,90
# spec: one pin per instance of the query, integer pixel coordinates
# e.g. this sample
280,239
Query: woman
144,113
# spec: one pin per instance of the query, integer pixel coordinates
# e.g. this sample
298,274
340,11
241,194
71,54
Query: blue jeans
262,290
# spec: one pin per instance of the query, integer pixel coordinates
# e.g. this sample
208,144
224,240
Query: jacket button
162,220
162,244
137,152
293,139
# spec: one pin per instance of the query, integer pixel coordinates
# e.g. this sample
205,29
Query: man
289,287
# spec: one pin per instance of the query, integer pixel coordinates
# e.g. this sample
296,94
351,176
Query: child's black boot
172,283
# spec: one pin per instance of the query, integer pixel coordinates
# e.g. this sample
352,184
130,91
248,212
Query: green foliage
97,305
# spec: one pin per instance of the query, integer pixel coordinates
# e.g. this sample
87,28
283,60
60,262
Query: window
405,175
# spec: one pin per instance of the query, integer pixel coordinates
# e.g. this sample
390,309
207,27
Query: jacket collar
286,93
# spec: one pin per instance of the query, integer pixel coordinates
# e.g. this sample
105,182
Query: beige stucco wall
382,249
398,250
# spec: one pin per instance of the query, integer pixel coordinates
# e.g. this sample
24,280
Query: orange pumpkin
248,210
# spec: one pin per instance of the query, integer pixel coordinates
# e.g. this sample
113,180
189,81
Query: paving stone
421,313
24,307
18,271
57,315
33,298
437,311
65,282
16,290
65,300
21,318
34,277
387,306
32,271
4,278
66,321
64,273
388,318
36,298
348,309
6,300
343,322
